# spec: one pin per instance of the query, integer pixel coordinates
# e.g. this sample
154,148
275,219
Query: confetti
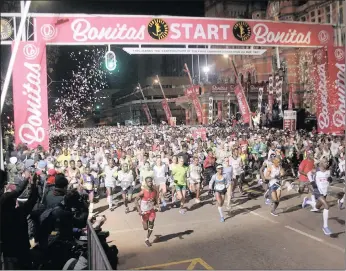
78,93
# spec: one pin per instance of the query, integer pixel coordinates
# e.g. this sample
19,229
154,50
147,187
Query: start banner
130,29
336,89
30,100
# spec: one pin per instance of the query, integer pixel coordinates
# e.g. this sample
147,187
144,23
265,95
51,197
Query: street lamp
156,81
206,69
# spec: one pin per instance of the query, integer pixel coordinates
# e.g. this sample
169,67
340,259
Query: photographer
60,220
14,224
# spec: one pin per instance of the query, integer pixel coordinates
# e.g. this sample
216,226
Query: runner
219,183
179,174
126,180
320,182
274,173
110,173
88,181
160,178
195,176
146,209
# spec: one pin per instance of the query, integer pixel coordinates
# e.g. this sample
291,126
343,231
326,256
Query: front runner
148,198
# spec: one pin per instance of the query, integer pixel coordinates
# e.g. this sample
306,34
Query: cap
219,166
51,171
13,160
42,164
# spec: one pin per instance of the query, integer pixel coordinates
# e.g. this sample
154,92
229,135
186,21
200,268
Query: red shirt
209,162
305,166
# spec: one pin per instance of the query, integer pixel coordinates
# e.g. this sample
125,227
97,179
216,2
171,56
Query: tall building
296,62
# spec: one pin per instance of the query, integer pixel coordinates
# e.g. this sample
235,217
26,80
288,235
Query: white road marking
316,239
256,214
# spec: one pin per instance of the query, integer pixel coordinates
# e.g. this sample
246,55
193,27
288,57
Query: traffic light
97,107
111,60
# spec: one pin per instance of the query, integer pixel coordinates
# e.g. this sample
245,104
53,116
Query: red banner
30,100
242,102
167,110
193,93
336,89
192,90
130,29
322,93
219,110
200,133
147,113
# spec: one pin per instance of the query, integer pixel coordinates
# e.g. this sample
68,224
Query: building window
312,13
327,13
319,19
303,19
313,19
319,12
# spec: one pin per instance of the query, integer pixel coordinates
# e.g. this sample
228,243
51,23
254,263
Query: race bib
220,186
88,186
147,205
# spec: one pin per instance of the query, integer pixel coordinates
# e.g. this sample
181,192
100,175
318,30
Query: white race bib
220,186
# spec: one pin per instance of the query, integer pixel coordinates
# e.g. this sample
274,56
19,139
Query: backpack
46,225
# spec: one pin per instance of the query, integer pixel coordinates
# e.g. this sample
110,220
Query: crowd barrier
97,258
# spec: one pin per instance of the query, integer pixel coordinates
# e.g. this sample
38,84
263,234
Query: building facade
295,62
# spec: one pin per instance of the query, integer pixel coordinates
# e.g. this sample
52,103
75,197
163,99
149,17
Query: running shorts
149,216
274,187
223,192
317,194
128,191
180,187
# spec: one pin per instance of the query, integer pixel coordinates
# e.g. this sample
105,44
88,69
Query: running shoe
268,201
314,210
327,231
340,204
127,210
304,202
182,211
222,219
147,243
198,201
273,213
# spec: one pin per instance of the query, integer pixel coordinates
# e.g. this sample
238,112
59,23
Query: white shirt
321,180
236,165
160,173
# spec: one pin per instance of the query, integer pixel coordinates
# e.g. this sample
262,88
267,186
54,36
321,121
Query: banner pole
145,99
4,90
242,90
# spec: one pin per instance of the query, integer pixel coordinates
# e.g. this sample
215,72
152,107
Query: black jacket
54,197
14,225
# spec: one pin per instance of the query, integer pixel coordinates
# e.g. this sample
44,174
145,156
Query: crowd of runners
157,167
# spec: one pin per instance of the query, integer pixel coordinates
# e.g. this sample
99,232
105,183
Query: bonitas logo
32,131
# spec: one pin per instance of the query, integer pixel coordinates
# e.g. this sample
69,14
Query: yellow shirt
179,174
63,157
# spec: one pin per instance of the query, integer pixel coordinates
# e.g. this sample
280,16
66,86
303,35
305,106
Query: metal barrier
97,258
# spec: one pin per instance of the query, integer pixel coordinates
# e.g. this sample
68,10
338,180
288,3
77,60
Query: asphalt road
250,238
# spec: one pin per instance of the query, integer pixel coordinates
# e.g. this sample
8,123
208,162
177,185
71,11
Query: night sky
126,75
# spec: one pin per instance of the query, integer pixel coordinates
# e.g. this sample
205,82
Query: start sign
290,120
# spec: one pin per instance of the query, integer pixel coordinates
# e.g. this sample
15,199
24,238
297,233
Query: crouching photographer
56,231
